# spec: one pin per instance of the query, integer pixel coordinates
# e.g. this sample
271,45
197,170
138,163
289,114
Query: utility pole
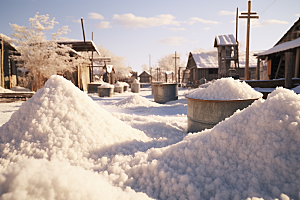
150,61
236,37
248,17
175,67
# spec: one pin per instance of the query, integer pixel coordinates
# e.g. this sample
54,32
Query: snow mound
225,89
60,121
41,179
20,89
134,101
3,90
254,153
106,85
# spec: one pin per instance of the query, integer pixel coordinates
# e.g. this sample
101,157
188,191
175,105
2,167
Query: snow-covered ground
65,144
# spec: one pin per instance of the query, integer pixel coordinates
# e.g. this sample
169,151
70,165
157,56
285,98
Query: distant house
206,65
285,51
8,68
145,77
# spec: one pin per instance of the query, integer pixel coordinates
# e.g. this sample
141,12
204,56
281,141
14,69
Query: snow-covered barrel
105,90
209,106
125,85
119,88
93,87
135,86
164,92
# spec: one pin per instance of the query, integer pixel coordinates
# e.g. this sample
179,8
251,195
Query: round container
105,92
135,87
164,92
205,114
119,89
93,87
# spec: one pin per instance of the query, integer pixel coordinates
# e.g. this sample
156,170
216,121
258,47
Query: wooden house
145,77
8,68
283,59
201,65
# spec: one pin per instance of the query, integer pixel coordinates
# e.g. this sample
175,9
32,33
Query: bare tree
145,67
167,63
41,57
118,62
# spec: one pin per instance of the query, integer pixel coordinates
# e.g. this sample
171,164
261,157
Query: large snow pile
134,101
254,153
60,121
225,89
42,179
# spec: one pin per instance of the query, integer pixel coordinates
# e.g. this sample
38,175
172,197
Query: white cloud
297,15
76,20
177,29
206,29
93,15
273,22
225,12
194,42
103,25
131,21
172,41
193,20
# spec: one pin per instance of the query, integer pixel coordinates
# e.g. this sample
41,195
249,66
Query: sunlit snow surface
129,147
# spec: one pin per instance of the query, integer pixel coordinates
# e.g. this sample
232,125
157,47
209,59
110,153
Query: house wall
207,73
145,78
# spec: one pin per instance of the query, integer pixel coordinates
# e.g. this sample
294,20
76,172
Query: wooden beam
297,63
277,71
258,69
288,69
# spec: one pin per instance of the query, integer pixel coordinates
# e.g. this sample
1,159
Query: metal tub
119,89
105,92
93,87
135,87
164,92
205,114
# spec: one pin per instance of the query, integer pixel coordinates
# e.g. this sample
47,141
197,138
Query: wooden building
205,65
283,59
8,68
84,73
201,65
227,54
145,77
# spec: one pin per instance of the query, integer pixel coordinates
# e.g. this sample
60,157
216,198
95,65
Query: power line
267,7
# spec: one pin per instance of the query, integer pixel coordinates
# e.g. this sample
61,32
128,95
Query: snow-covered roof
225,40
207,59
109,68
148,73
281,47
169,72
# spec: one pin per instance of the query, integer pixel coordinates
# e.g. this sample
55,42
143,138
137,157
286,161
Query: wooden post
1,65
249,13
288,69
92,74
175,68
236,38
258,69
297,63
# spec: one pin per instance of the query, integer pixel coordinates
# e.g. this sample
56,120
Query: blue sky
136,28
